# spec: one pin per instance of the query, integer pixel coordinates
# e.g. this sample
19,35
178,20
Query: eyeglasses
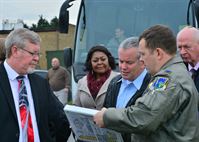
32,53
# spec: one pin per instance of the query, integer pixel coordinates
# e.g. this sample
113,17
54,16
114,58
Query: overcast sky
30,10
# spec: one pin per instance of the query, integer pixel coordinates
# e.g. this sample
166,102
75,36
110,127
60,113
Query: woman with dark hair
92,87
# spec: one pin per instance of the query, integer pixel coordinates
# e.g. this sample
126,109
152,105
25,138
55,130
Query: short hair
160,36
20,37
111,60
194,31
2,49
131,42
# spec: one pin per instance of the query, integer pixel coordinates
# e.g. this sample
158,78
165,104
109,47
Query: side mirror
196,8
64,16
193,13
68,57
63,21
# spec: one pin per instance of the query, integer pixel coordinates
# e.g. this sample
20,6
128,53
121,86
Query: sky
30,10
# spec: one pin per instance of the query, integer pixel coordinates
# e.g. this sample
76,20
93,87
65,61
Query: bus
99,20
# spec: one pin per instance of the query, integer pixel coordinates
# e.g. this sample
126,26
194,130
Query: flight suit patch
160,83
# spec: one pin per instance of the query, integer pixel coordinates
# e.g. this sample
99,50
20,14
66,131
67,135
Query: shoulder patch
160,83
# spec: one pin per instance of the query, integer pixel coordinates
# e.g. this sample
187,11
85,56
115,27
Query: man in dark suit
125,88
45,120
188,45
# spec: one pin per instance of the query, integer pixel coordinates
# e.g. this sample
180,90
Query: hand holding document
98,118
82,124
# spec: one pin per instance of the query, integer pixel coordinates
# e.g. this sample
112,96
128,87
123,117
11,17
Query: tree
42,24
54,23
25,26
34,27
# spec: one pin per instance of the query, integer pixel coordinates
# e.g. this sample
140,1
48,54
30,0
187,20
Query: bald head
188,45
189,32
55,63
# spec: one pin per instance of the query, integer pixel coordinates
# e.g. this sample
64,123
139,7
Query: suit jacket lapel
6,89
35,96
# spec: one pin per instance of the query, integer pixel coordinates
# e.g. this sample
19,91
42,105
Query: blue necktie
23,99
194,73
24,111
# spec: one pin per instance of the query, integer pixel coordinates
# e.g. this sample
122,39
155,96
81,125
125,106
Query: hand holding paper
98,118
82,124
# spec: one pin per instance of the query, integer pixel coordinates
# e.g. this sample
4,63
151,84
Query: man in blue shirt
125,88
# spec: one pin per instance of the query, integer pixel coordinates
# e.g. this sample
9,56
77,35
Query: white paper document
81,121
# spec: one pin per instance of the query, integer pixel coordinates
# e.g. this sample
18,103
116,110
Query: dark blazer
51,120
114,88
196,80
113,91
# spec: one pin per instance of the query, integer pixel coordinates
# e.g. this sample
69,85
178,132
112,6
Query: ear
14,50
159,53
141,64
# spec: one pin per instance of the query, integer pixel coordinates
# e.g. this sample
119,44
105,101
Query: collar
138,81
12,74
195,67
175,59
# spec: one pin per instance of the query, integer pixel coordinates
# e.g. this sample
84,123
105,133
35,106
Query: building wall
52,41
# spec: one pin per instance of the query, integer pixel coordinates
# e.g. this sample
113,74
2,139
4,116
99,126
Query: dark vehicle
42,73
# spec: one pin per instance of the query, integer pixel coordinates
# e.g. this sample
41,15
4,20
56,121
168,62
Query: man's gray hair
20,37
131,42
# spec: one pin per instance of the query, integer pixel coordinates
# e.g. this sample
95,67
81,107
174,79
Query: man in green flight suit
168,109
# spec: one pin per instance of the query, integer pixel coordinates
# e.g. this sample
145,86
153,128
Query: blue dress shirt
128,89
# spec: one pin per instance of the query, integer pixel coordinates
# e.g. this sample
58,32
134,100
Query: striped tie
26,121
194,73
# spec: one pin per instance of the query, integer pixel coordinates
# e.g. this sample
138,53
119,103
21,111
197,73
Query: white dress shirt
12,74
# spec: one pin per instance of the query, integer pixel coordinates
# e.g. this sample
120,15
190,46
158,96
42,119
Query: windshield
108,22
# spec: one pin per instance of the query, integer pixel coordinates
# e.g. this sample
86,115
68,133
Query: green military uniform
167,112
